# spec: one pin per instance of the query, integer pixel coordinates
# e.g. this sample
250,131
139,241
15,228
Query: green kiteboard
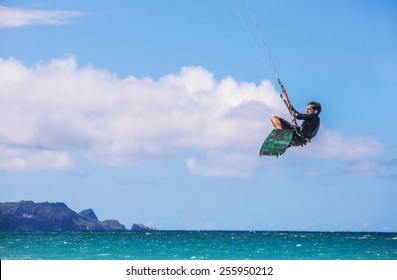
276,143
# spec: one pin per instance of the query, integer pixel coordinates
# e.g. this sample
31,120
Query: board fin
276,143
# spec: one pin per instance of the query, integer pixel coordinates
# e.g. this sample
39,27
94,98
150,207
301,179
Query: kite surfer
285,134
309,128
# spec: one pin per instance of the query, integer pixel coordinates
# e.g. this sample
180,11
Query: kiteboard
276,143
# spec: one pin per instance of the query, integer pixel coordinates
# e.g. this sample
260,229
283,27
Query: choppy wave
197,245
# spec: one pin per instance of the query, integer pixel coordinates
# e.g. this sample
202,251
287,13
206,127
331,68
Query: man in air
309,128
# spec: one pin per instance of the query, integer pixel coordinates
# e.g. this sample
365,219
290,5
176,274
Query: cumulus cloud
16,17
32,159
222,163
334,145
121,121
197,225
62,108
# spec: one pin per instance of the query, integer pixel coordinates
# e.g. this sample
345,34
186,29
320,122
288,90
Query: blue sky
153,112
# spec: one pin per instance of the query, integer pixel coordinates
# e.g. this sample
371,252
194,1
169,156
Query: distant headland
29,215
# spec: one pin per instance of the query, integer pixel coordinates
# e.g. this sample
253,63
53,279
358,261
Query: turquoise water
201,245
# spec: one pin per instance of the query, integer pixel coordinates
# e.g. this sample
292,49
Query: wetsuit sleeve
305,117
310,125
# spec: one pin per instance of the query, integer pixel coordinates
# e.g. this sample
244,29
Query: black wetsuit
308,129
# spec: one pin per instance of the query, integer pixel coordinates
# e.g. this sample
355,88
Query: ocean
196,245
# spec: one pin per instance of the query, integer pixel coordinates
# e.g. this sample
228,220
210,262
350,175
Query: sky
154,111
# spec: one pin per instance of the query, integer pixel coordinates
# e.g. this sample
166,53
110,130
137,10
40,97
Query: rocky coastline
29,215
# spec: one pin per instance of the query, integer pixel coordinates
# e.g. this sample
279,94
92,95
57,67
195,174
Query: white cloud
334,145
63,108
59,106
197,225
29,159
368,226
16,17
223,163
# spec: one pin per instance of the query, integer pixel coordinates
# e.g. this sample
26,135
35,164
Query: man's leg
280,123
277,122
